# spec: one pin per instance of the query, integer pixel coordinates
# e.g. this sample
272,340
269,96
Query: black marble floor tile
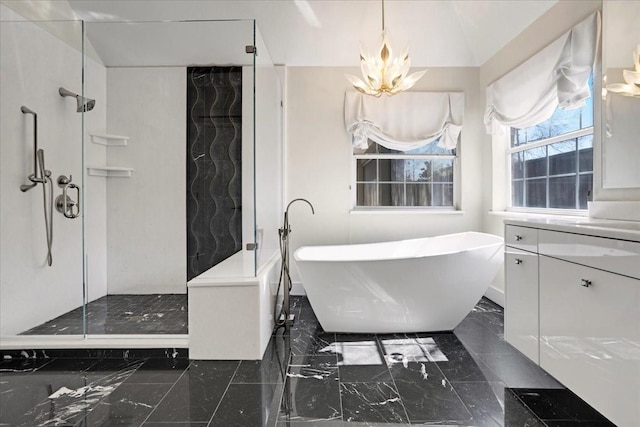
245,405
484,400
159,371
517,414
343,380
196,394
457,364
360,358
271,369
187,424
558,405
128,405
480,339
123,314
311,342
68,365
427,395
371,402
516,371
310,399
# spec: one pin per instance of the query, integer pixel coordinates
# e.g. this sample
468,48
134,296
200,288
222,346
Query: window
418,178
551,163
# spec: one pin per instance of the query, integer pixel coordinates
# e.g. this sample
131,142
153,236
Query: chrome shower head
84,104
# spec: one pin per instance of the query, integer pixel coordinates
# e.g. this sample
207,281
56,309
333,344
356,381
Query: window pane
418,194
517,165
442,195
585,153
517,193
564,121
391,170
418,170
562,157
536,191
391,194
535,162
585,192
442,170
562,192
367,170
367,194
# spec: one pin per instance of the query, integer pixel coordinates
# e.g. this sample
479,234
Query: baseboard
297,289
495,295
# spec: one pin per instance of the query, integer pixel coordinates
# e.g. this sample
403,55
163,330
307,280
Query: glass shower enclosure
165,160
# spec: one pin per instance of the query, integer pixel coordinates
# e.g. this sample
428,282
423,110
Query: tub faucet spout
286,229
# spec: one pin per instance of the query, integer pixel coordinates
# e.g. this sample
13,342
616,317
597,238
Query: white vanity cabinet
590,336
584,296
521,301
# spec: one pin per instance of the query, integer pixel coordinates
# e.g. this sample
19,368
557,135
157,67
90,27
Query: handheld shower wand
285,317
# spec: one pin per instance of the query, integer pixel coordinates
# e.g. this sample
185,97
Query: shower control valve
64,203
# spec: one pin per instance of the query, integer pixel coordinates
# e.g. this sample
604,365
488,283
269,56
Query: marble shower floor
123,314
307,377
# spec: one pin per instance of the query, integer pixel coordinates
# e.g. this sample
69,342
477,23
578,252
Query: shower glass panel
269,155
170,185
41,248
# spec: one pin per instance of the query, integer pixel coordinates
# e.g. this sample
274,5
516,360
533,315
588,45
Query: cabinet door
521,301
590,336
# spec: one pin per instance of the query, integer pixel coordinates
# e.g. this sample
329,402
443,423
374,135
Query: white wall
558,20
319,155
33,65
146,217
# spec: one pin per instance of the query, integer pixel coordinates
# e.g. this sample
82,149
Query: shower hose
48,216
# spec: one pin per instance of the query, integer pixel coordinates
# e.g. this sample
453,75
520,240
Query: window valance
405,121
557,76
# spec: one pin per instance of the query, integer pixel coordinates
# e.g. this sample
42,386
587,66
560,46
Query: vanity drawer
521,237
618,256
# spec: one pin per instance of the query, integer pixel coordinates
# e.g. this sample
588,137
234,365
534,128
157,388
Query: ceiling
318,32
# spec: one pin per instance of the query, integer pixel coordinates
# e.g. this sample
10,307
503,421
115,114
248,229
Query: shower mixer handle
64,203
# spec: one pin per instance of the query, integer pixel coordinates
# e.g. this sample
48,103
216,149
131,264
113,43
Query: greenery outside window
422,178
551,164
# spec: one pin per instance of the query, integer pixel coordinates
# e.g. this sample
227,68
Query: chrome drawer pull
519,237
586,283
518,261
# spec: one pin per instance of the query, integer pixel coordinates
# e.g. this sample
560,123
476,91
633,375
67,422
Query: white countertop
614,229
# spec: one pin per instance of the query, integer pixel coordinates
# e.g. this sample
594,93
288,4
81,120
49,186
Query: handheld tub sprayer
285,318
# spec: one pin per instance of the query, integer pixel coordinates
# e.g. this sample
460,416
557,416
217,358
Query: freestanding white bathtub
420,285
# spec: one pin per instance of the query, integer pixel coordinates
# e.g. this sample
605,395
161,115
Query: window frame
395,156
545,143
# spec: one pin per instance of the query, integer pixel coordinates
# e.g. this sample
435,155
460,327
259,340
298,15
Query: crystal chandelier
384,73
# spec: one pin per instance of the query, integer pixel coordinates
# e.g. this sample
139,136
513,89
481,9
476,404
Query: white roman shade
557,76
405,121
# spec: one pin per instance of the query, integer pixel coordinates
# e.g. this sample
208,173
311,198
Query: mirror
620,94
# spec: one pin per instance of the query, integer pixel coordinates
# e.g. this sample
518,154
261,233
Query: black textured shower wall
214,171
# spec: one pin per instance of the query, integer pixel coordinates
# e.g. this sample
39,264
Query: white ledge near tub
231,310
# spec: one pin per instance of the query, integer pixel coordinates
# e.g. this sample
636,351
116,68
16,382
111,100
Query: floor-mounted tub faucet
285,318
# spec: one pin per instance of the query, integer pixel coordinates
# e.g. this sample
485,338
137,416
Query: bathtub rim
498,240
